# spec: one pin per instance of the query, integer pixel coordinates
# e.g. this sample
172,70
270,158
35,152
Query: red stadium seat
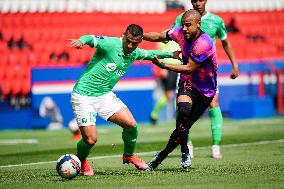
26,86
16,87
6,85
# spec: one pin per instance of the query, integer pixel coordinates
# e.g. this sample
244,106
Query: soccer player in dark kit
197,83
214,26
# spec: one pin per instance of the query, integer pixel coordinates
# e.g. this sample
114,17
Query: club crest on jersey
84,120
110,67
99,37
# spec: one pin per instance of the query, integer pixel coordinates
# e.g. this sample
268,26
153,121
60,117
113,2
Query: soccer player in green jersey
214,26
92,94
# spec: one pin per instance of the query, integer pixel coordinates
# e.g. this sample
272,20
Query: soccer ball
68,166
73,126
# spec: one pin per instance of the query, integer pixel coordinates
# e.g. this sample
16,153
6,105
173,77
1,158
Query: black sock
180,134
172,144
183,124
183,140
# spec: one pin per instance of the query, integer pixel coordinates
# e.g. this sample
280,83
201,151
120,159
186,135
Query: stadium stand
45,36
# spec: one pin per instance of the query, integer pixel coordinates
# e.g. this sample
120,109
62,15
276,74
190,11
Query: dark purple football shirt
203,52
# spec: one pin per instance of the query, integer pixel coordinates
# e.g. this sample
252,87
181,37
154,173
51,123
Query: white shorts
86,108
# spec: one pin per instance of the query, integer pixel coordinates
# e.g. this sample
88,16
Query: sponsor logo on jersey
120,73
110,67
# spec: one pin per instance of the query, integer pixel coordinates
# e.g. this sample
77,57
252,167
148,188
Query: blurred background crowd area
34,33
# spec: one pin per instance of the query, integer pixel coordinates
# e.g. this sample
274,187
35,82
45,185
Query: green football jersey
108,64
211,24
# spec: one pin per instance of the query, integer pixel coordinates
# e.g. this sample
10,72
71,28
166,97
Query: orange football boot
86,168
139,163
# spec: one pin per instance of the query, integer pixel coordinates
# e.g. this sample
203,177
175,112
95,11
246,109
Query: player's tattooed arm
155,36
185,69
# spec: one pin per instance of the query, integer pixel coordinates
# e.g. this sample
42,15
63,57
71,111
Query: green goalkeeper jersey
211,24
108,64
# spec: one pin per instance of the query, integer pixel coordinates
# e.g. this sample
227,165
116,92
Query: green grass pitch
253,153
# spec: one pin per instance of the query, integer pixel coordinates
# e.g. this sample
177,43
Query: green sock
188,139
216,124
162,102
129,136
83,149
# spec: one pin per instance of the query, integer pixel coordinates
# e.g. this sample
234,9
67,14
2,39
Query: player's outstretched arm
76,43
83,40
150,54
155,36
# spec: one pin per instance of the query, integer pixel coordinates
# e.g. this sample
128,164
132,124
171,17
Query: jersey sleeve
173,34
149,54
201,51
102,43
177,22
90,40
221,31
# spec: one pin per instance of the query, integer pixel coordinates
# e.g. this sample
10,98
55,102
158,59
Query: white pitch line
149,153
18,141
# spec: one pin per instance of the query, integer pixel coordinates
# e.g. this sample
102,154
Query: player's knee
131,123
214,104
183,109
91,140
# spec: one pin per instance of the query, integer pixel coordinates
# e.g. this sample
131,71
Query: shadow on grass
100,174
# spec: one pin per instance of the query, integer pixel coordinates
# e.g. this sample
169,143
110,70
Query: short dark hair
193,13
135,30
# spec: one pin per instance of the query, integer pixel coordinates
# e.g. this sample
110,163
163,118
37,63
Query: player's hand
235,73
158,63
76,43
176,55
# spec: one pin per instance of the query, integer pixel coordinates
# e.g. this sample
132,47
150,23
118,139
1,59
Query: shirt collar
205,15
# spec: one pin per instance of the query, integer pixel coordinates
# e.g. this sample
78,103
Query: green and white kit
108,64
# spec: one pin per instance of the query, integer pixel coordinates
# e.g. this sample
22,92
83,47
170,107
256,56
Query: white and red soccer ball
68,166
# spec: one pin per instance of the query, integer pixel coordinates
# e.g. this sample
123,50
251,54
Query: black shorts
200,102
169,83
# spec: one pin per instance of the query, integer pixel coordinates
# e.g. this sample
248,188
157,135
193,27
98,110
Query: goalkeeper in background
92,94
213,26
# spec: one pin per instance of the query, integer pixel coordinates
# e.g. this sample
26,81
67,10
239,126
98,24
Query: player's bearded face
130,43
190,28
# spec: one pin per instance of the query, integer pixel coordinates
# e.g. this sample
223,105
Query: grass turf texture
253,165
